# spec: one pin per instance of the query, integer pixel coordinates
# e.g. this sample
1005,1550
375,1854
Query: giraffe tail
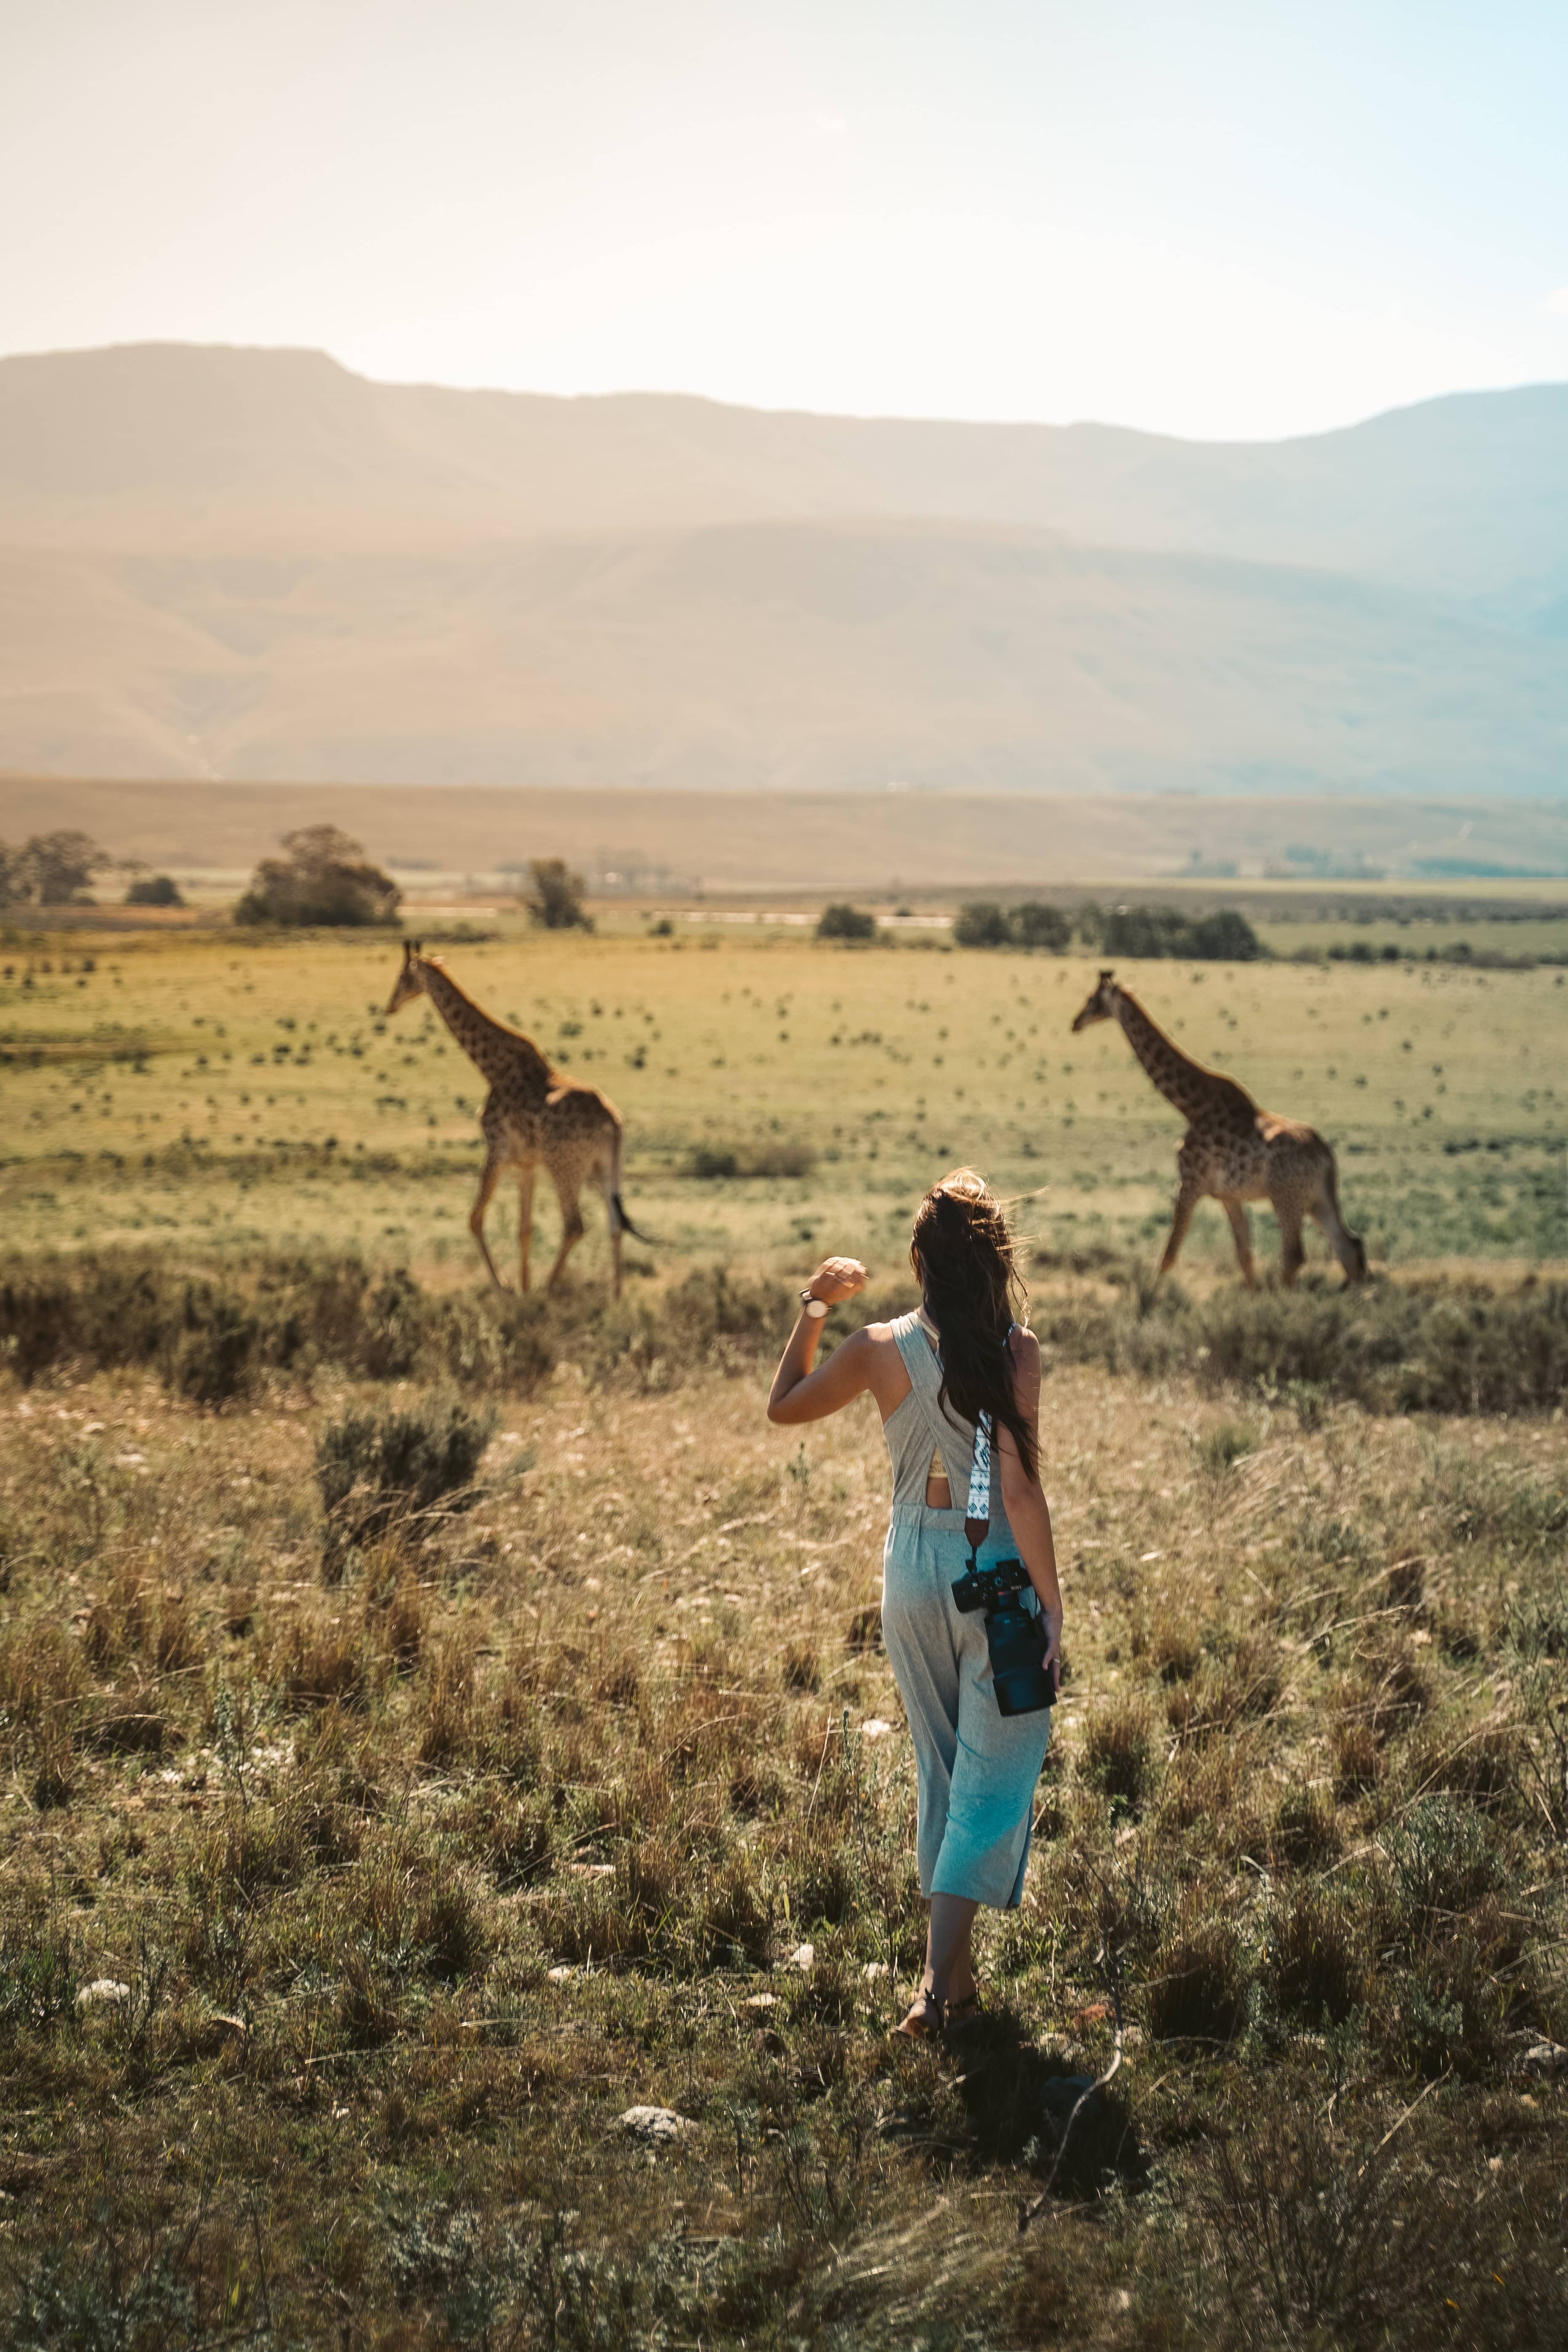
617,1210
617,1207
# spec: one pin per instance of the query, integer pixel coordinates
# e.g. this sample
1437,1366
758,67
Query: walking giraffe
531,1114
1233,1152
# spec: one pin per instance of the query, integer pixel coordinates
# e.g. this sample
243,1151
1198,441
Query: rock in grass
1546,2058
657,2126
101,1989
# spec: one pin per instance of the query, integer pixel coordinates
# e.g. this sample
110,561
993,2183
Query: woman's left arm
1023,1496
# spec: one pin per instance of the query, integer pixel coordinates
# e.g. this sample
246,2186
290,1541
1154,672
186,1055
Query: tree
323,879
1036,925
554,896
981,924
155,890
842,921
1226,938
52,869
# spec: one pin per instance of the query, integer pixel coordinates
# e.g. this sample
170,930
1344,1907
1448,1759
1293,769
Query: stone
657,2126
101,1989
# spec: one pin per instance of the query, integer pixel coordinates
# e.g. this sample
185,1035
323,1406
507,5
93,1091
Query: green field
222,1094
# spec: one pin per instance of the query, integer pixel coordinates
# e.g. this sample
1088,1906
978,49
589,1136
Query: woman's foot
963,2008
926,2018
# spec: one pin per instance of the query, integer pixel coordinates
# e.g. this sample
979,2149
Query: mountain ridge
215,561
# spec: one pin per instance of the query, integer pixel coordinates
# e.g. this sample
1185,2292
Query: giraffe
1232,1151
531,1114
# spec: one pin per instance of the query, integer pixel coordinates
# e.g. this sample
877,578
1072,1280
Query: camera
1016,1640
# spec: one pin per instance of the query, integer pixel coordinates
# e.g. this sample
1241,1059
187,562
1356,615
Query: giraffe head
410,981
1101,1005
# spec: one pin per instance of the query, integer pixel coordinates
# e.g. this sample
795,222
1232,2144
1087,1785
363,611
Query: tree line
1133,932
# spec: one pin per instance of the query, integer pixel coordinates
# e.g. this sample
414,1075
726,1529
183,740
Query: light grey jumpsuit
977,1767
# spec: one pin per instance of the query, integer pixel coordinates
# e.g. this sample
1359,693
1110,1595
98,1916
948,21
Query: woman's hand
1051,1619
838,1277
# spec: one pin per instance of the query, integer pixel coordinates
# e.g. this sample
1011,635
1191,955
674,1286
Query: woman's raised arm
798,1393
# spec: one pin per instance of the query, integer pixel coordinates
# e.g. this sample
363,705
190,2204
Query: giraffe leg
610,1187
1241,1229
1187,1200
1292,1256
566,1193
524,1220
489,1179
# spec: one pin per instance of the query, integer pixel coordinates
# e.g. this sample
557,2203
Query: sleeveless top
919,1425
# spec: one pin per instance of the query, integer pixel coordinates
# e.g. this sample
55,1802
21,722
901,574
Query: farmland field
377,1840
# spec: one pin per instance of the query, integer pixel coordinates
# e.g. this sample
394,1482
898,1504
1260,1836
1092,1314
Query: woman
934,1374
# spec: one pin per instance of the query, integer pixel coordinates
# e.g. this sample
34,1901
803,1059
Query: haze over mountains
237,563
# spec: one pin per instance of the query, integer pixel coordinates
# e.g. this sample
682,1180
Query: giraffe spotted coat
1232,1151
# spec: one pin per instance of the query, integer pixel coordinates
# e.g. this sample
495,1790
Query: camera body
1016,1640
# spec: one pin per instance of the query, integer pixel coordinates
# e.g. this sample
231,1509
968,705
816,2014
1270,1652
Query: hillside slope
229,563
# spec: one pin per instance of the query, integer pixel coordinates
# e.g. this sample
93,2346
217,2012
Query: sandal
925,2021
966,2012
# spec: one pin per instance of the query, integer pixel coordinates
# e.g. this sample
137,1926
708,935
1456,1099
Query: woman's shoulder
1024,1348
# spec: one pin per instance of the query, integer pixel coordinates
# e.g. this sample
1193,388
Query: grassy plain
224,1095
350,1899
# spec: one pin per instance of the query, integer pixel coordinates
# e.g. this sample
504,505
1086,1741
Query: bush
1036,925
1032,924
1142,932
376,1469
554,896
1118,1752
155,890
324,880
1198,1989
842,921
981,924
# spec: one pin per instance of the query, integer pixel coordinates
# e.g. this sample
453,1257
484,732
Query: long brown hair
964,1262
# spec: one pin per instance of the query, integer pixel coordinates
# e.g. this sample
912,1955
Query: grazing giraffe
531,1114
1234,1152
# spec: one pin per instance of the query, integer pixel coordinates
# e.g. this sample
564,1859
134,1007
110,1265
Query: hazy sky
1226,217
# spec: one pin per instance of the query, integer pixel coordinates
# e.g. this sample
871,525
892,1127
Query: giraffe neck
495,1051
1179,1078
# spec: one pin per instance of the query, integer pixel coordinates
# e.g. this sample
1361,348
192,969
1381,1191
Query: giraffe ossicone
1233,1152
534,1115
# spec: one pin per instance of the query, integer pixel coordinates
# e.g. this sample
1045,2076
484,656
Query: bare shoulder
1025,1349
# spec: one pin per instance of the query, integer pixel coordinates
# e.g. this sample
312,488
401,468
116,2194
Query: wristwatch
815,1307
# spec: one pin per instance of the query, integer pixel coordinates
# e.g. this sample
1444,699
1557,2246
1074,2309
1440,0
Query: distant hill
254,563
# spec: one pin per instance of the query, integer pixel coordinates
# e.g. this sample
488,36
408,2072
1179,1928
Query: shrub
375,1470
323,879
981,924
1036,925
1118,1752
39,1973
1142,932
1314,1962
842,921
554,896
1197,1991
155,890
1442,1858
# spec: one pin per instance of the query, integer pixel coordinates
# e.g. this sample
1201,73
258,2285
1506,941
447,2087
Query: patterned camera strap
977,1511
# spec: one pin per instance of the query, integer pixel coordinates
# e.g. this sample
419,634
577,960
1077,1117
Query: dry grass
619,1719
